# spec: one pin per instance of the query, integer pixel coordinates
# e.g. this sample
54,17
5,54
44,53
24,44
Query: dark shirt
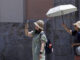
77,36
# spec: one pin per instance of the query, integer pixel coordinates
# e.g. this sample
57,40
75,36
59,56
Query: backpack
48,47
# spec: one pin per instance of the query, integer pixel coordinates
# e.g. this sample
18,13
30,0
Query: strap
41,33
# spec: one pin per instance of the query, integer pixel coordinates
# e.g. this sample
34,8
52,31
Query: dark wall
14,45
63,49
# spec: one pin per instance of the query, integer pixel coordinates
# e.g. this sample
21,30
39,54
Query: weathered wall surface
14,45
63,49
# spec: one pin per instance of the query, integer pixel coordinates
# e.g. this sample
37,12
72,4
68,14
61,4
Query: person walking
75,33
39,40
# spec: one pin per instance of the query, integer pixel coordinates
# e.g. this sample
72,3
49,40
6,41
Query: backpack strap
41,33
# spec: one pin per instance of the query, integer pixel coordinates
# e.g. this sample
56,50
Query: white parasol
61,10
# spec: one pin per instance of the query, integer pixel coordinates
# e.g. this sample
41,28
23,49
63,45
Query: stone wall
14,45
63,49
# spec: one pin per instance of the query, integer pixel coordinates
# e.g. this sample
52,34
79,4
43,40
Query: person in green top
39,40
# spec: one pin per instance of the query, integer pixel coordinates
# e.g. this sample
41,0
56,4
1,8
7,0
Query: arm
42,46
75,44
43,43
27,33
67,29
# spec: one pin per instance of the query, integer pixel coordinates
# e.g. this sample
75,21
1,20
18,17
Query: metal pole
62,16
62,19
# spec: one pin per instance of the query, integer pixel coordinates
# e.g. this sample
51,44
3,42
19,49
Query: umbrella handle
62,19
62,16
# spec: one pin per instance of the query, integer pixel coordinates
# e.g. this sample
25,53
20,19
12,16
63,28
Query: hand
64,25
40,56
75,44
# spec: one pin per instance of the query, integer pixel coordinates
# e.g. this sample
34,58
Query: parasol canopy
61,10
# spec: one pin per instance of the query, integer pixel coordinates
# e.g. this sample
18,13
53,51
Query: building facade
14,45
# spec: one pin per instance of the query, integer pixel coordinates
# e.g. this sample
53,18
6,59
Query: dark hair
38,31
